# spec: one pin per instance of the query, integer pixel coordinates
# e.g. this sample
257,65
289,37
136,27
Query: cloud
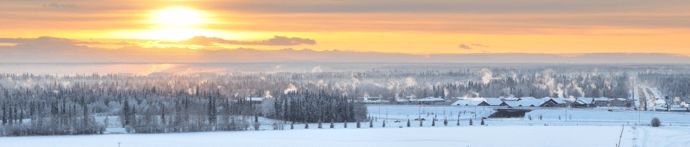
275,41
485,6
55,40
463,46
479,45
56,50
56,5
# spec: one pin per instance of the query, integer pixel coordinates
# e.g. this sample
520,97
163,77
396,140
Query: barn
468,102
552,103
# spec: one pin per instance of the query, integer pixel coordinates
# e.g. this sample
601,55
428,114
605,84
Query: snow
468,102
667,136
525,103
493,101
499,136
602,99
403,112
255,99
428,99
584,127
585,114
557,100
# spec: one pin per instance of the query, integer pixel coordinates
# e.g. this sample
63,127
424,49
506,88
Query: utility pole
420,113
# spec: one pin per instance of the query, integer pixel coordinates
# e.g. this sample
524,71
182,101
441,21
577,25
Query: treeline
22,117
316,107
87,107
540,86
206,112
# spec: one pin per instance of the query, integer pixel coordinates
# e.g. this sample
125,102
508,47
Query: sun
178,16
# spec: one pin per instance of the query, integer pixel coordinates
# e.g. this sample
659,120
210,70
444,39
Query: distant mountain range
63,53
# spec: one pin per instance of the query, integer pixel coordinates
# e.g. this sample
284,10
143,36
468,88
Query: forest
71,104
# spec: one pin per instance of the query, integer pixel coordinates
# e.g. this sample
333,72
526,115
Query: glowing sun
178,16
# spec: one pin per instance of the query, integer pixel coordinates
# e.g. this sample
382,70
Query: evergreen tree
482,122
420,123
10,118
134,115
470,122
433,122
408,123
212,110
384,124
4,115
126,113
371,124
86,115
21,116
163,120
445,122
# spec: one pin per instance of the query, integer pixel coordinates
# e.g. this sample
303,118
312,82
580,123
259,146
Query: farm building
428,100
606,102
525,103
552,102
492,102
367,98
468,102
402,101
583,102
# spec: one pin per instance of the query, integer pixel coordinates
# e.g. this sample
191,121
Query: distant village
514,102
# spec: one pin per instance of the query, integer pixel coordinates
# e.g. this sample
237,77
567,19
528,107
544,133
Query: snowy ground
656,137
517,136
585,127
403,112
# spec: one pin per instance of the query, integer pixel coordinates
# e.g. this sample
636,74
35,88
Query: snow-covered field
473,136
584,127
403,112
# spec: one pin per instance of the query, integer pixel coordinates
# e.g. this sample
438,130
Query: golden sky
391,26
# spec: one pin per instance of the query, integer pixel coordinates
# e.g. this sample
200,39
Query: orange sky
402,26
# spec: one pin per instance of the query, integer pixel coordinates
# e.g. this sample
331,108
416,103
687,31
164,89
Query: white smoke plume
574,86
487,76
316,69
355,82
410,81
268,94
559,91
290,88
